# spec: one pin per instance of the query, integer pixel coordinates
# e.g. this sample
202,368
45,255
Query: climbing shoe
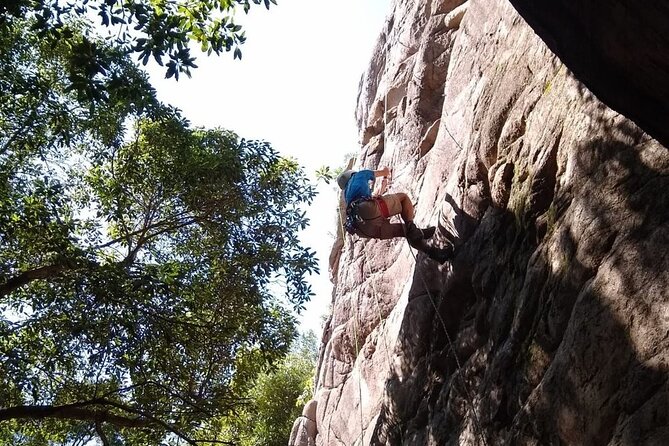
414,233
440,255
428,232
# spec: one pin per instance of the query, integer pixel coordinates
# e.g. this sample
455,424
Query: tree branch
148,418
150,382
101,433
79,412
73,412
144,238
183,398
174,223
30,119
44,272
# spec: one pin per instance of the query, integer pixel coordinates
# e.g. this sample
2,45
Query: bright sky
296,88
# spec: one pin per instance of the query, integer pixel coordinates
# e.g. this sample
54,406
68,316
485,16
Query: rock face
551,324
304,428
617,48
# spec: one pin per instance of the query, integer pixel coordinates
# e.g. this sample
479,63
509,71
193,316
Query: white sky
296,88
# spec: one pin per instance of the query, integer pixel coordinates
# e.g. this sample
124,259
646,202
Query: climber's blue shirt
358,186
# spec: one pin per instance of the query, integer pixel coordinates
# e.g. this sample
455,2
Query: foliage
324,173
276,400
327,174
148,29
139,277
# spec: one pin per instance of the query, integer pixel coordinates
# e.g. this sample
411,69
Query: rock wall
617,48
551,324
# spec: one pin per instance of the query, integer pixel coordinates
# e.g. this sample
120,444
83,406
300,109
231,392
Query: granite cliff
551,324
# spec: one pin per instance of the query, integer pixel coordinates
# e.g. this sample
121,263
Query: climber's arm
385,172
380,189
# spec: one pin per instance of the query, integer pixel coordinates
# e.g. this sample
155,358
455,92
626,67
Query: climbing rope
469,396
451,346
443,124
470,399
355,334
355,328
436,309
443,324
357,353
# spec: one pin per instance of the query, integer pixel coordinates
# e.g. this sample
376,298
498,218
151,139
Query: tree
147,29
275,400
327,174
139,277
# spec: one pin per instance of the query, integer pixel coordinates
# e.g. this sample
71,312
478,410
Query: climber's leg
400,204
380,228
390,230
372,220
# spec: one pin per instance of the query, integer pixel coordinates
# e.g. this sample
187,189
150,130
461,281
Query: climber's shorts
375,224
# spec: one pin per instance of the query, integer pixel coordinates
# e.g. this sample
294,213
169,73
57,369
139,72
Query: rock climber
368,214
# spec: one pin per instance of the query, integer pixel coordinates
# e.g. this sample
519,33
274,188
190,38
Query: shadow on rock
550,328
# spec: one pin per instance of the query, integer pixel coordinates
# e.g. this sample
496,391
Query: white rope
355,333
381,319
470,399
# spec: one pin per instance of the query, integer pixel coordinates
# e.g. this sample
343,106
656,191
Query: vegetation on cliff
275,399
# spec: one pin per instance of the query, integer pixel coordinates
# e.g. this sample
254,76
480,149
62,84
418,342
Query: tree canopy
145,265
160,30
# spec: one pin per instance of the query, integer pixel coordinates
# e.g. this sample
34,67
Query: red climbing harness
383,207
